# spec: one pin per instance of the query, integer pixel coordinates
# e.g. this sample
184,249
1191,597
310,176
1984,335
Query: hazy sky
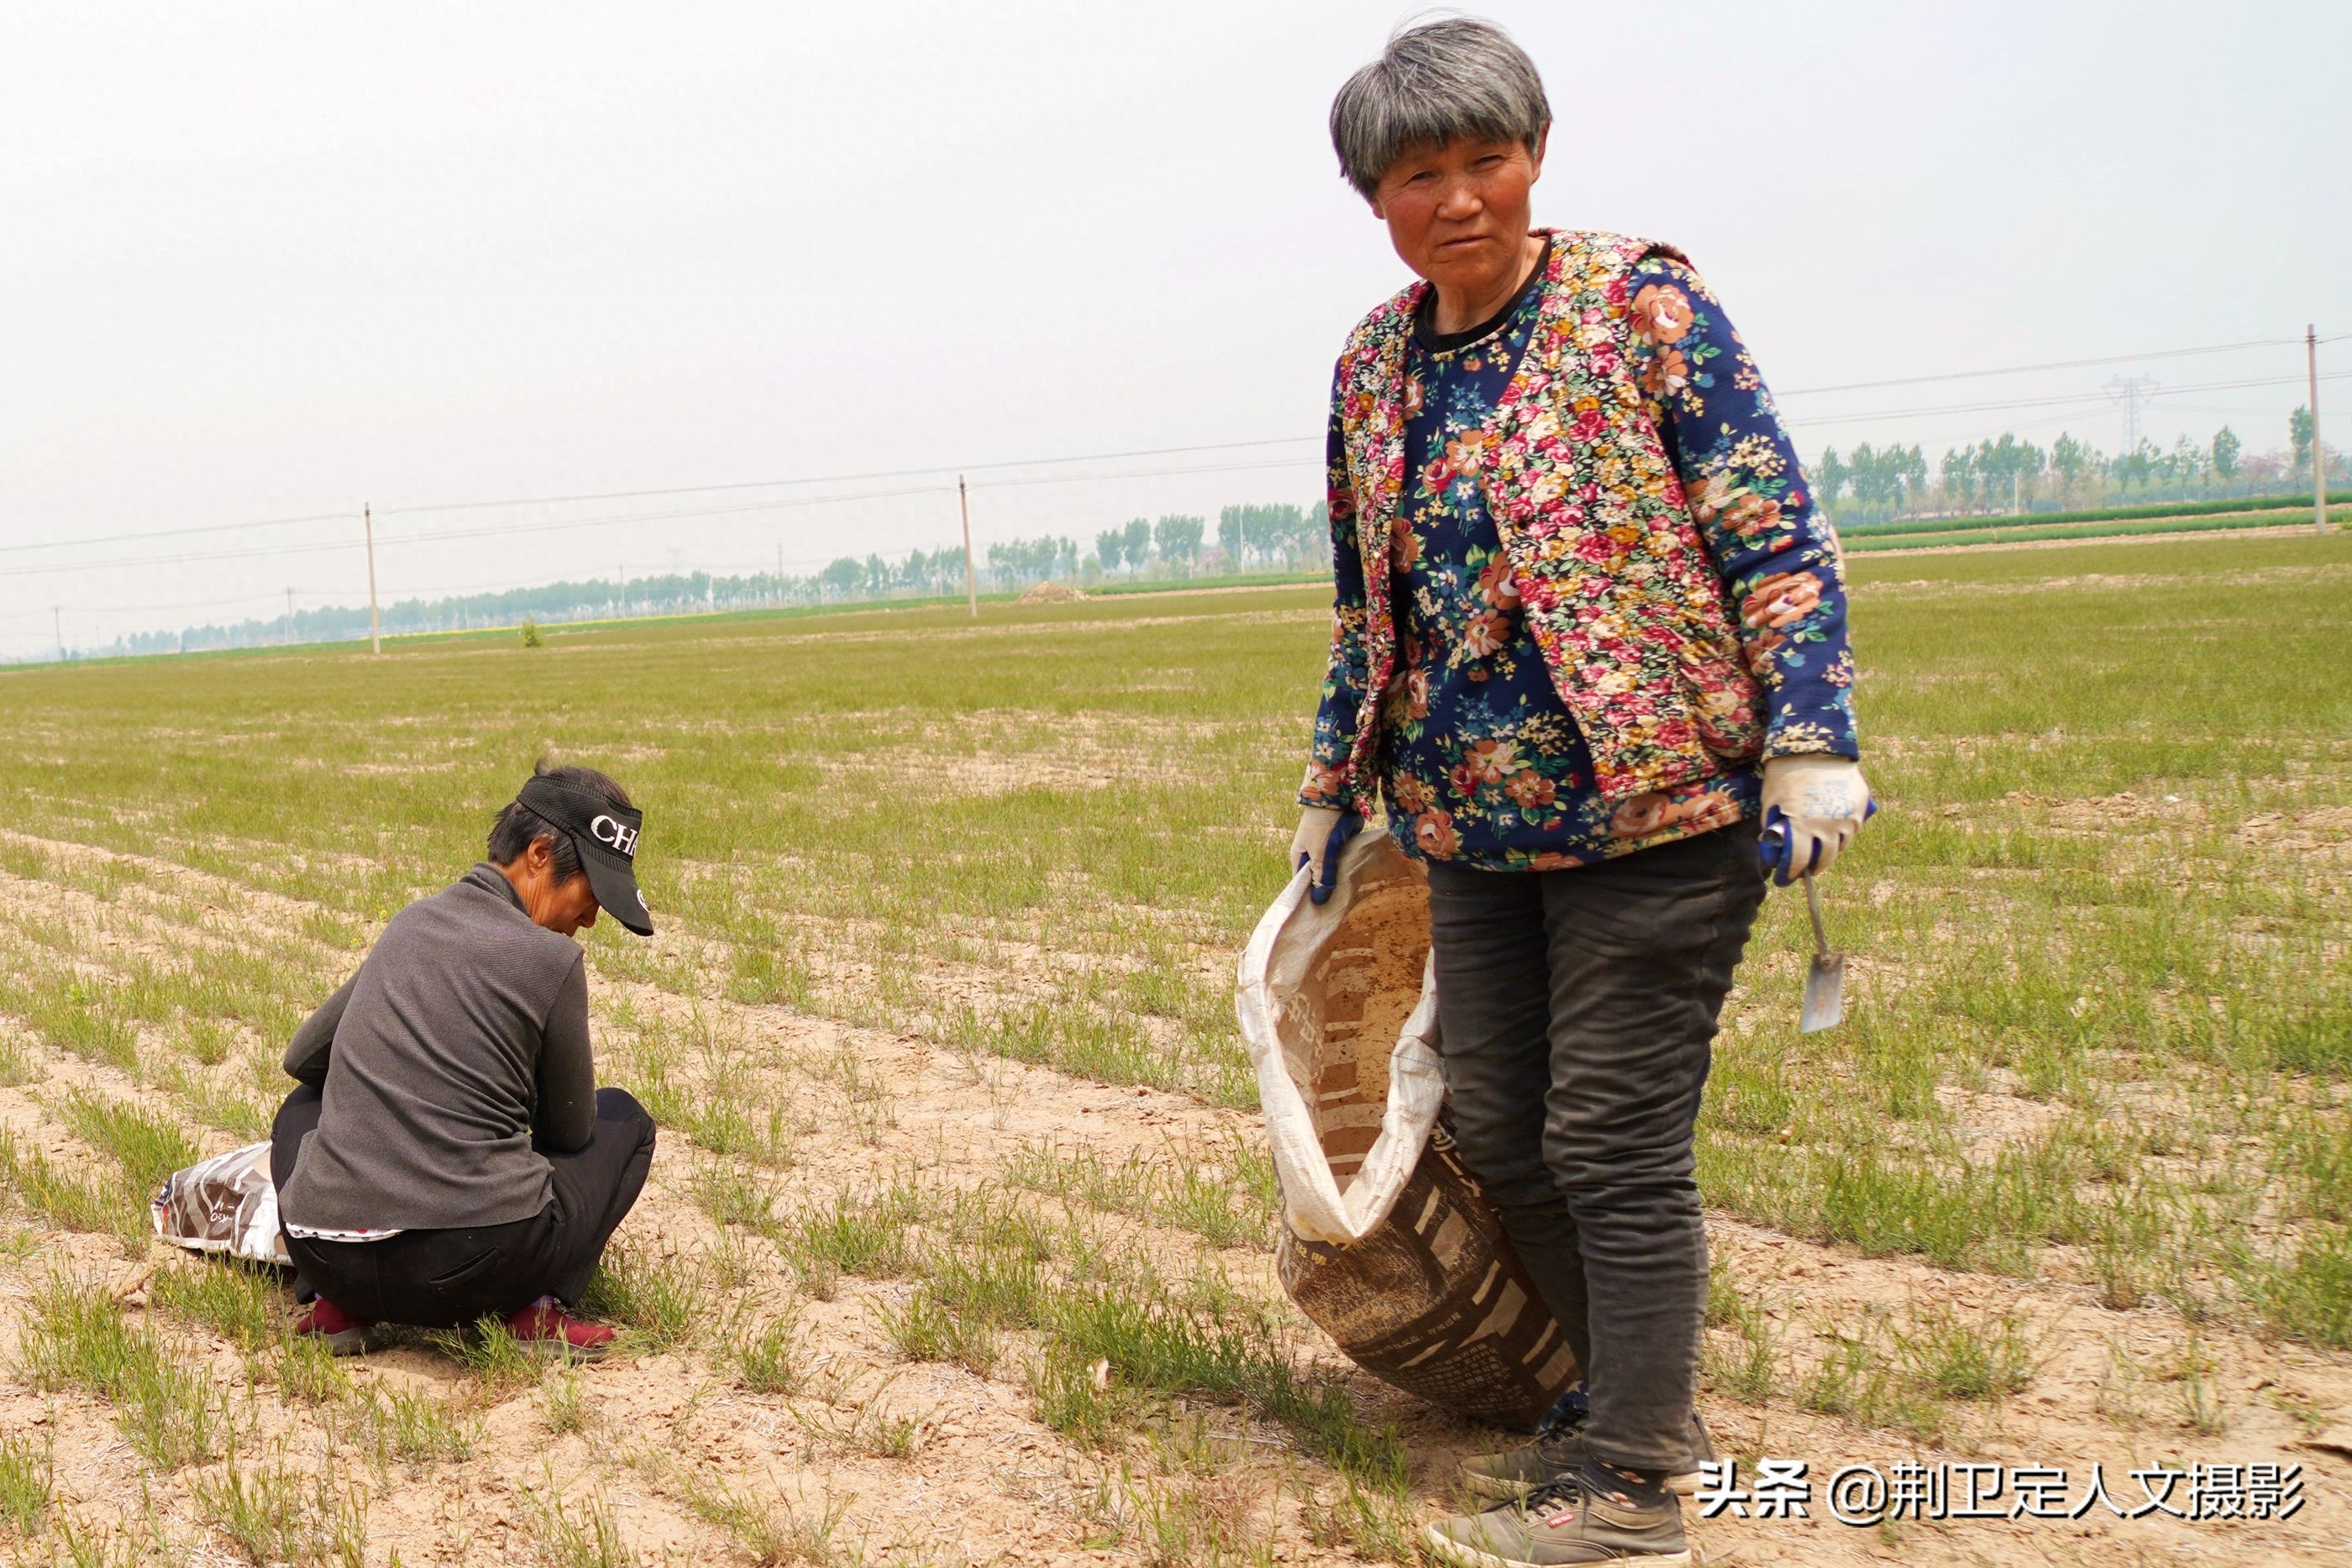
269,261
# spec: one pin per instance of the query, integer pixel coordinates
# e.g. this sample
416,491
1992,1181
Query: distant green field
2019,530
2147,512
2102,1027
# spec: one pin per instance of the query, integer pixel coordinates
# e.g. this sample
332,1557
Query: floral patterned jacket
1627,566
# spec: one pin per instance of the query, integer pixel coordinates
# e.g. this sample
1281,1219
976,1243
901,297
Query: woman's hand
1307,845
1821,801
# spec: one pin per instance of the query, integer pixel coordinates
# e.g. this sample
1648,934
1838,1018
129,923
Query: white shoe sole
1494,1488
352,1342
1447,1550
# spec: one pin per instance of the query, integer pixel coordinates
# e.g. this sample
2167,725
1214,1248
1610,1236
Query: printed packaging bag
225,1204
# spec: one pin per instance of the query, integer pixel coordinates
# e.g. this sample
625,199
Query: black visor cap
606,838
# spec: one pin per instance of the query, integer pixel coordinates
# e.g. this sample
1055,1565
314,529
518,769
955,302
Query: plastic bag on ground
227,1204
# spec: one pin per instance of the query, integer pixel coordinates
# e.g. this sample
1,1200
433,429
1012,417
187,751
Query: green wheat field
960,1206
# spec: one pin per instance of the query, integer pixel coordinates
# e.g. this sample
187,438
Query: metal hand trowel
1824,1004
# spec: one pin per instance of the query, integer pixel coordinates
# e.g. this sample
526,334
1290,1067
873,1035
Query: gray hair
1457,76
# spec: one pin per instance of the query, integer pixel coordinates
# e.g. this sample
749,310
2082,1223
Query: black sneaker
1558,1451
1562,1525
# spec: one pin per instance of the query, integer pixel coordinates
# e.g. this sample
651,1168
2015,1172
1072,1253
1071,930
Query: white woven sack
1282,1002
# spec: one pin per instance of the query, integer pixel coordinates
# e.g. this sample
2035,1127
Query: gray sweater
464,1032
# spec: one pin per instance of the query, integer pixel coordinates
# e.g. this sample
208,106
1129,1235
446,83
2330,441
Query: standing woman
1588,628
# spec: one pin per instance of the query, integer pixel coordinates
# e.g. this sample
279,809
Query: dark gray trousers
449,1278
1579,1011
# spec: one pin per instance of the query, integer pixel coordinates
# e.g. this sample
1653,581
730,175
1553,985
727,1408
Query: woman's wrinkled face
1459,214
566,908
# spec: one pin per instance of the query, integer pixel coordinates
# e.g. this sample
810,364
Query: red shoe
344,1335
544,1327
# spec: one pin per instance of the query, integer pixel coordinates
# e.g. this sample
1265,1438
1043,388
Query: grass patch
580,1536
1193,1194
274,1513
242,1302
166,1407
658,1297
75,1016
54,1191
306,1371
1949,1357
767,1358
28,1481
853,1234
147,1146
498,1360
927,1329
766,1532
418,1426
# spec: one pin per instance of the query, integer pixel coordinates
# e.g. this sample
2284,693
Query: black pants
1578,1012
446,1279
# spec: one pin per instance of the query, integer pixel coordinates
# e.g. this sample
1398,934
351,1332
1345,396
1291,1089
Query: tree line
1258,537
2007,474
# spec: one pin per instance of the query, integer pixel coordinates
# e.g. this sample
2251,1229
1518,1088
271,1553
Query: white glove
1821,801
1315,825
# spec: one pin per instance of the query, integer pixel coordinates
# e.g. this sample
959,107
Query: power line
504,530
2054,365
998,466
2084,401
183,604
2088,399
175,533
854,478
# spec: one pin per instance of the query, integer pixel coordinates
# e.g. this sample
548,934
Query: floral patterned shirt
1481,763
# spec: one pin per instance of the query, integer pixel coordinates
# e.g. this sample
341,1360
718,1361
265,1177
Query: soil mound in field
1050,594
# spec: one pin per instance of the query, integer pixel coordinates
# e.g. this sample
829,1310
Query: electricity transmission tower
2131,392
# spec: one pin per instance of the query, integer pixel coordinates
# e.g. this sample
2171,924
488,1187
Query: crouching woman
448,1157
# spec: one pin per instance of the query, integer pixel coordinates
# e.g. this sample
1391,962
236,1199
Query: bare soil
987,1482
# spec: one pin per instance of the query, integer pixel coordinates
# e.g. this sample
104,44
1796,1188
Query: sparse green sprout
926,1329
767,1357
164,1402
237,1301
276,1513
768,1533
28,1481
657,1297
580,1536
563,1403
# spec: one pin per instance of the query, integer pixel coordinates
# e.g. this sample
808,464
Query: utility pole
57,613
376,629
2318,463
289,618
970,577
2016,506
